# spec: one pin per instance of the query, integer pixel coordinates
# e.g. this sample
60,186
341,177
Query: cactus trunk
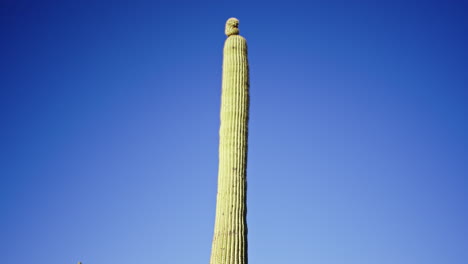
230,233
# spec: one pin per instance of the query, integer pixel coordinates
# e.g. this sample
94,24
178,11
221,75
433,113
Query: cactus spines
230,233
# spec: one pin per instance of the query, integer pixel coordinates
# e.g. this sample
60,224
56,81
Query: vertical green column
230,233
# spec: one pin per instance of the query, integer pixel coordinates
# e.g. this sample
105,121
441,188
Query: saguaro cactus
230,233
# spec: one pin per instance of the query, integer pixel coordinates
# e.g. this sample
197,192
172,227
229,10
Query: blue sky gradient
358,146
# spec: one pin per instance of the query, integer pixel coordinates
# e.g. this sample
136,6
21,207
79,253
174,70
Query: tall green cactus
230,233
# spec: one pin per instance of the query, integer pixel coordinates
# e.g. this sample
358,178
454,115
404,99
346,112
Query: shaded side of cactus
230,233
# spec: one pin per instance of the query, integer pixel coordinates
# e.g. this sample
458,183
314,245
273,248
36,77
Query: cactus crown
232,26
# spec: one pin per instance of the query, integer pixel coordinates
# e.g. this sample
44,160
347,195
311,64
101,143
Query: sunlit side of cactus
230,233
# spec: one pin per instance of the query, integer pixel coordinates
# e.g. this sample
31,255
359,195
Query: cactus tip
232,26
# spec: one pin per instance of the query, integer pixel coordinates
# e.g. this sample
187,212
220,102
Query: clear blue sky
358,149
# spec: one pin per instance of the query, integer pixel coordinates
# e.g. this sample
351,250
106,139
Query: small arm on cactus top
232,26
